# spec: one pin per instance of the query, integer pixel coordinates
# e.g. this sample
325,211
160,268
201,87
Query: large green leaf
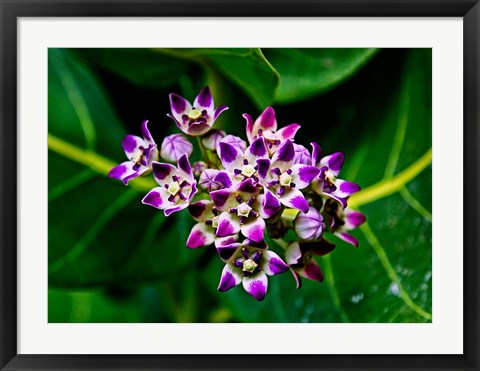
140,66
247,68
388,278
99,232
308,71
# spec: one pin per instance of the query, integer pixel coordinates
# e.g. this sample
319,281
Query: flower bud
309,226
174,146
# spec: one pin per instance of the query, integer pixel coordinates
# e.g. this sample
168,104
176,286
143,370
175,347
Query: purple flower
240,165
177,186
174,146
197,119
343,220
309,226
140,152
243,210
266,126
284,179
327,183
299,256
250,266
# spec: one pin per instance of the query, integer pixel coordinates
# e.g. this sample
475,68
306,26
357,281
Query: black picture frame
11,10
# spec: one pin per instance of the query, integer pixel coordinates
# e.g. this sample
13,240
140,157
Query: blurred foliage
112,259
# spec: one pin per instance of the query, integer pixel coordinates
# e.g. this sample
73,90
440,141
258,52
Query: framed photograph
221,185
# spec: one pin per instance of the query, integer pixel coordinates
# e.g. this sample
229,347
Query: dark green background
112,259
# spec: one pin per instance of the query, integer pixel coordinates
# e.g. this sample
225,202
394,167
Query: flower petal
228,224
200,235
302,175
206,180
353,219
269,205
174,146
316,154
224,179
180,205
198,128
266,121
347,237
131,143
146,133
293,253
184,168
302,156
226,249
204,100
263,167
230,278
201,210
345,188
125,172
285,156
273,264
162,171
179,106
157,197
295,199
288,132
257,150
256,285
220,198
254,229
249,120
311,271
334,162
218,111
230,156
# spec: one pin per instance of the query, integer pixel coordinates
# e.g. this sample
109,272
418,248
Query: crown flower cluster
246,196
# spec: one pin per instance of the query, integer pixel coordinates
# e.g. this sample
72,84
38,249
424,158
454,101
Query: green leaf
100,234
308,71
247,68
140,66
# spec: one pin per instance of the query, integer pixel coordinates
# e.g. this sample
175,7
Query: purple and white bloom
235,141
309,226
212,138
240,165
300,257
177,186
140,152
198,118
284,179
327,183
266,126
174,146
343,220
243,210
250,266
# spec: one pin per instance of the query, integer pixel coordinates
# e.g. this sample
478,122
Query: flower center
248,170
243,209
194,114
215,222
249,265
137,156
174,188
330,176
285,180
